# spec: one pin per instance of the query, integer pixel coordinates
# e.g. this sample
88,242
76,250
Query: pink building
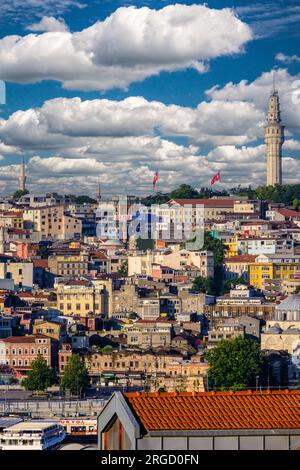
18,352
26,250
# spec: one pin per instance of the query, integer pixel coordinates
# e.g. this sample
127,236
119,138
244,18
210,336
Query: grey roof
274,329
7,421
292,331
292,302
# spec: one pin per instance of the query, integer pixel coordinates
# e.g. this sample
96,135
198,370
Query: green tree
82,199
158,198
297,290
185,191
19,193
296,204
43,251
204,285
123,270
75,377
40,376
232,283
218,248
235,363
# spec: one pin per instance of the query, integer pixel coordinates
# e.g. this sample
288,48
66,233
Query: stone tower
22,176
2,241
274,138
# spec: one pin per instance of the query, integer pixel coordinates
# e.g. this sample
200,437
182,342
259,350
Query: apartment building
52,329
276,268
80,298
238,266
213,209
19,352
265,245
52,222
149,334
69,266
227,330
21,273
175,258
11,219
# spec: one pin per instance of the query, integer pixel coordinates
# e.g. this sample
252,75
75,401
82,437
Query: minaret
99,193
2,241
274,138
22,176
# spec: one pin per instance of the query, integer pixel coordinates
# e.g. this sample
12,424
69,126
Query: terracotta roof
216,410
24,339
240,259
40,263
256,222
288,212
206,202
25,295
98,254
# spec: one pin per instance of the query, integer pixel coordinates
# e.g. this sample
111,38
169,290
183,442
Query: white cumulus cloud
48,24
128,46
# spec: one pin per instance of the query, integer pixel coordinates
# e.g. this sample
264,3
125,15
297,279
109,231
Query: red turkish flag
155,179
216,178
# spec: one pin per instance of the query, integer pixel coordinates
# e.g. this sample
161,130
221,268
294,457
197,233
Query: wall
226,442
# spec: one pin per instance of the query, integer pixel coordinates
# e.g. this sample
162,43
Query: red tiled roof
207,202
98,254
42,295
40,263
256,222
216,410
24,339
240,259
152,322
288,212
17,231
25,295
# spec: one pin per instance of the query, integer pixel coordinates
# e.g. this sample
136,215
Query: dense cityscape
166,318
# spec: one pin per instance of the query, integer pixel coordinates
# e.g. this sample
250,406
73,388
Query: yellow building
12,220
231,248
275,267
80,298
52,329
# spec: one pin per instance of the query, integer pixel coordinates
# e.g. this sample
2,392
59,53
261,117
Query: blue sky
76,163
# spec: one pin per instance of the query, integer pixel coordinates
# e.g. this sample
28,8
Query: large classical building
80,297
274,138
